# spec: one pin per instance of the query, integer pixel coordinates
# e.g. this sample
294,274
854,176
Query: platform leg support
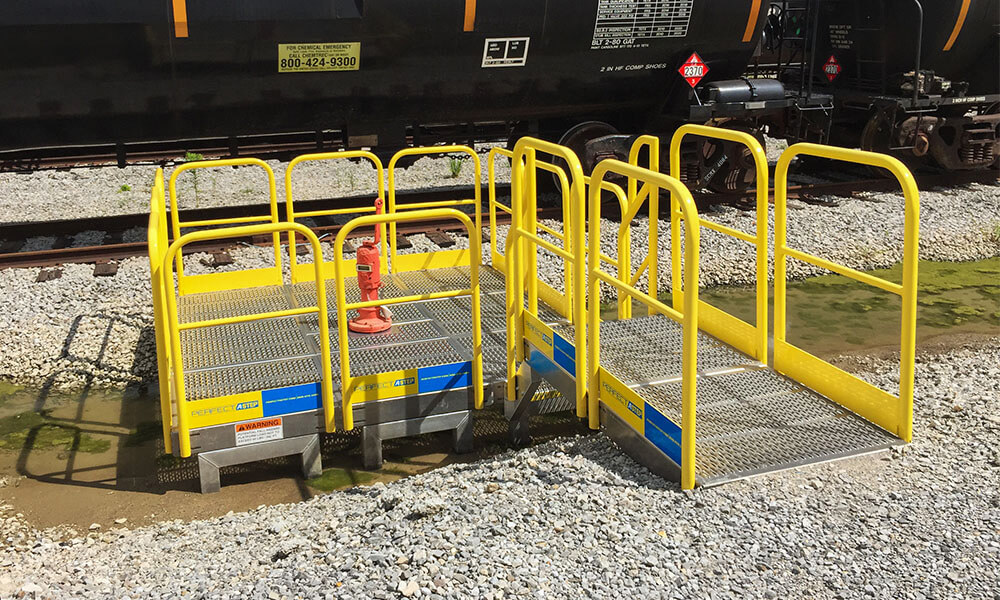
210,463
519,411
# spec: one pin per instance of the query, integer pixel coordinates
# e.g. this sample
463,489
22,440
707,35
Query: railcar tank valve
372,319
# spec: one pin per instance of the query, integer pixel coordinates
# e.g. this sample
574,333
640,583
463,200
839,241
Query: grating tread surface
453,278
254,341
757,420
249,378
231,303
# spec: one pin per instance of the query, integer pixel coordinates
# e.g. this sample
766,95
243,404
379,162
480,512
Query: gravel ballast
56,194
577,518
80,329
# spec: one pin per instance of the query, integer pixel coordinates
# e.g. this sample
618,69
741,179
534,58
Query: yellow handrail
348,387
392,207
892,413
688,318
734,331
561,302
320,309
177,224
291,215
157,242
653,193
521,249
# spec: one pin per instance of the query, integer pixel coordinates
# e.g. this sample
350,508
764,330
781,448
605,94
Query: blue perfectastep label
287,400
663,433
444,377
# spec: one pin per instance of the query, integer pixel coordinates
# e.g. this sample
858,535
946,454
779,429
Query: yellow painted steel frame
175,328
892,413
441,258
157,241
211,282
349,385
688,318
750,339
560,301
301,272
523,242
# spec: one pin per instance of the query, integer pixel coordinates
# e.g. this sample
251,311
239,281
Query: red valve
375,318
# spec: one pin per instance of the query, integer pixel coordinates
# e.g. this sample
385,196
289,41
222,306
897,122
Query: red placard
832,68
693,70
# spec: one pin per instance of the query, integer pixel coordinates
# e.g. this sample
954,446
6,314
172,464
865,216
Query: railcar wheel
728,167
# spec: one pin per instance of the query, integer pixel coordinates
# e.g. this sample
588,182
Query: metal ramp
689,390
751,419
245,357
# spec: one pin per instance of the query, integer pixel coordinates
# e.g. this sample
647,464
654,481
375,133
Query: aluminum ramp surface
750,419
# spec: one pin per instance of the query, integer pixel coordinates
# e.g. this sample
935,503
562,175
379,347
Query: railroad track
16,253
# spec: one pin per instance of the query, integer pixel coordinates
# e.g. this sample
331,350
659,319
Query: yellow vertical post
578,298
530,207
157,243
593,373
689,368
515,289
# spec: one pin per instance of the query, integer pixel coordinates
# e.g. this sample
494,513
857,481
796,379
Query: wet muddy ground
96,456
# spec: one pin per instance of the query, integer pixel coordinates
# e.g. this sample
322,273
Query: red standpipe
373,319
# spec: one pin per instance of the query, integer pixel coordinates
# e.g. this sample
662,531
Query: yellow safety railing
522,246
301,272
560,301
751,339
174,327
688,317
352,385
157,242
892,413
210,282
441,258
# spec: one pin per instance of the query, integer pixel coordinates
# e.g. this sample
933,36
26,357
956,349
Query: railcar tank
916,78
359,72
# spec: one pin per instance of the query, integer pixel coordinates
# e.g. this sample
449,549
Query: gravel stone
577,518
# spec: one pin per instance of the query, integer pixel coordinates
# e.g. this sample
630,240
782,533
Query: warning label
258,431
693,70
308,58
831,68
505,52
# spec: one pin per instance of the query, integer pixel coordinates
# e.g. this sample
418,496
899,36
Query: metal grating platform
750,419
273,353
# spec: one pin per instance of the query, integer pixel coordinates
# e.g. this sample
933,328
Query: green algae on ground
832,313
7,390
334,479
34,431
146,431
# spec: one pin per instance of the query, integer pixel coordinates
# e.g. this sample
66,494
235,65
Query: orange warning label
258,425
258,431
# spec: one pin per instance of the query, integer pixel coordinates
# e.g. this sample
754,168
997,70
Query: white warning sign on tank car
505,52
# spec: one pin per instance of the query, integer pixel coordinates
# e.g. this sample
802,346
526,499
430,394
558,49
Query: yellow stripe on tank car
470,15
180,18
752,21
962,14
